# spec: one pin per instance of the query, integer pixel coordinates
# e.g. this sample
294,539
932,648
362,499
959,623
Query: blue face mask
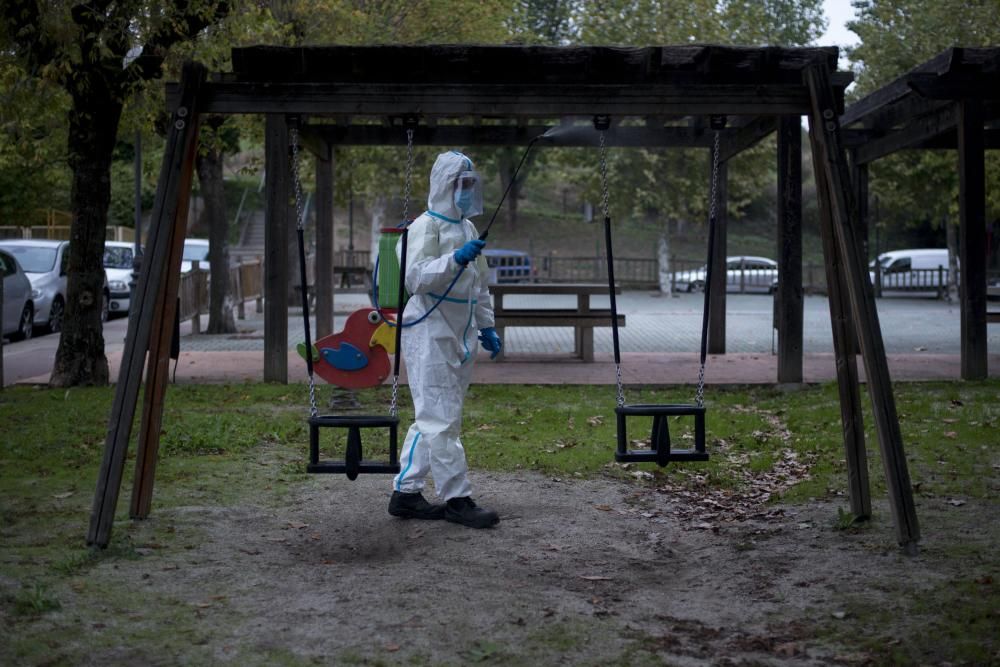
463,200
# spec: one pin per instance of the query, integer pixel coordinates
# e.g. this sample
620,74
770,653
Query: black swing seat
353,463
660,451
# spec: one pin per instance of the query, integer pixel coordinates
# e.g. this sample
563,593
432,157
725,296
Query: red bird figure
358,356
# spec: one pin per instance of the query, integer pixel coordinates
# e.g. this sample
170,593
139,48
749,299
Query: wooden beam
513,101
972,240
717,303
324,247
789,302
505,135
746,136
177,168
158,361
469,64
844,340
920,129
832,168
278,191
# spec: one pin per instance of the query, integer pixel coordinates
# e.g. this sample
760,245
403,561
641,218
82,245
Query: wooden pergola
951,102
505,95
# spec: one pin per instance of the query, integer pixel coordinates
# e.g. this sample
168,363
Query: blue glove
491,341
469,251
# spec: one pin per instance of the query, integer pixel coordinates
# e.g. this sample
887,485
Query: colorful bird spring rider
357,357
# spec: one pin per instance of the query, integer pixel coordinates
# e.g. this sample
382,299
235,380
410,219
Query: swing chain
300,226
604,178
409,175
605,198
394,401
700,394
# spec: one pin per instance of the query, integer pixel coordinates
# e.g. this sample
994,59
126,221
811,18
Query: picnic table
582,318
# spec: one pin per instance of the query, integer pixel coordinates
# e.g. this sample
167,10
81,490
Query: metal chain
605,198
394,401
604,178
409,174
699,397
300,225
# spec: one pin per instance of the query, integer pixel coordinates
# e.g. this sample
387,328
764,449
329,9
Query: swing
354,462
660,451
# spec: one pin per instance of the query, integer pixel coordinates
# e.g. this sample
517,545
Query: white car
744,273
195,250
118,265
44,262
18,309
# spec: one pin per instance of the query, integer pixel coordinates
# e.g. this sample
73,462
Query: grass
225,444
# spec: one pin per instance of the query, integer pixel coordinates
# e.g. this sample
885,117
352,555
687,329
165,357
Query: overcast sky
838,12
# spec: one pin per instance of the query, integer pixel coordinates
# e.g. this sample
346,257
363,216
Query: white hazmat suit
440,351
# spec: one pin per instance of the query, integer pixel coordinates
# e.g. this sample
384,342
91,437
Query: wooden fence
246,280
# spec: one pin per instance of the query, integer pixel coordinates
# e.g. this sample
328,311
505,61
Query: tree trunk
93,127
220,303
663,255
951,236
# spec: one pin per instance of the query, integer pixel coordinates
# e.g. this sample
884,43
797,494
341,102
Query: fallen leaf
950,434
61,496
594,577
596,420
839,615
298,525
485,427
603,508
955,502
392,648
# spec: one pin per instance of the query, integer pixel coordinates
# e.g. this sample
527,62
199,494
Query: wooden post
158,361
832,168
151,300
717,307
324,244
196,281
278,189
848,385
972,239
789,303
859,178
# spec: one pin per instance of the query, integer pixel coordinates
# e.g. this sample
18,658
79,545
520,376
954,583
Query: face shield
469,194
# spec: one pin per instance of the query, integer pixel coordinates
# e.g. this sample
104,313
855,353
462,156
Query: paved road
654,324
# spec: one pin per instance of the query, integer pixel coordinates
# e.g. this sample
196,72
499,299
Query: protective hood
444,173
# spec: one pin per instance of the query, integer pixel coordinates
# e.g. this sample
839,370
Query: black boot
414,506
465,512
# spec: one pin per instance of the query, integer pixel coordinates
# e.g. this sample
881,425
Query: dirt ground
578,572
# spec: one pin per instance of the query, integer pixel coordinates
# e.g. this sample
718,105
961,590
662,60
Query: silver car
744,273
18,309
45,262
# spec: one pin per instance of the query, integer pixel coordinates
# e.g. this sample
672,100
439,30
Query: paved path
659,344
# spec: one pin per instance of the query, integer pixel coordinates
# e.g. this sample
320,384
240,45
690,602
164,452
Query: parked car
118,265
919,269
508,266
18,309
744,273
44,262
195,250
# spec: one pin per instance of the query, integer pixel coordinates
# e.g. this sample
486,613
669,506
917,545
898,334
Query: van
918,269
508,266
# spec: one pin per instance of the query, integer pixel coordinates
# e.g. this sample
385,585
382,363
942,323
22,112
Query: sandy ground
577,572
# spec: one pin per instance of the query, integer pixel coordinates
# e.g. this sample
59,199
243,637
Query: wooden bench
583,318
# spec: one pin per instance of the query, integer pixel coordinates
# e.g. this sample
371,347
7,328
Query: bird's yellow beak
384,336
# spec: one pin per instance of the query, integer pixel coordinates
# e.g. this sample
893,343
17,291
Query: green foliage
919,188
34,600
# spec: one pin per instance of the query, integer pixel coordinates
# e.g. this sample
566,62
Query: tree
919,189
83,49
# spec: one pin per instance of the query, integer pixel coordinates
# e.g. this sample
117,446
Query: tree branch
181,24
22,21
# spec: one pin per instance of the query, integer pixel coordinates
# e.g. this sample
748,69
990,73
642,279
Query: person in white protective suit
443,248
